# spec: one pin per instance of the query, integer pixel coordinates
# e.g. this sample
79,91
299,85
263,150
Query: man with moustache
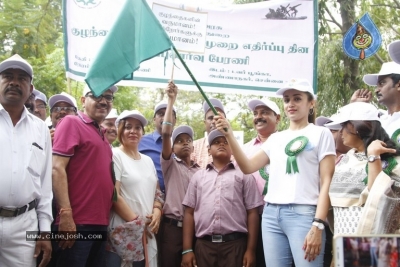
109,125
387,91
82,179
25,167
201,155
266,118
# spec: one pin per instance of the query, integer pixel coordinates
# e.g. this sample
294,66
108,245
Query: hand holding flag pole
127,45
196,83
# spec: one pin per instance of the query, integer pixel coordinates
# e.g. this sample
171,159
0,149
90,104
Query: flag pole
196,83
173,66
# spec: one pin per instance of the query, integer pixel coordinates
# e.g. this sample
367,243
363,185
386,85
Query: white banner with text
250,48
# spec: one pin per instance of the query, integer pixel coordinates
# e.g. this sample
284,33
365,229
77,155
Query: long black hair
369,131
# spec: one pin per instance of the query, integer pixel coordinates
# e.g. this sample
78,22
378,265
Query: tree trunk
351,66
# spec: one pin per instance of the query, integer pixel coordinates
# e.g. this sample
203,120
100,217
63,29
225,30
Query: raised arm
376,148
247,166
361,95
167,126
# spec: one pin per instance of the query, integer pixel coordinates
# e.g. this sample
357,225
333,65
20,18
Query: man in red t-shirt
82,181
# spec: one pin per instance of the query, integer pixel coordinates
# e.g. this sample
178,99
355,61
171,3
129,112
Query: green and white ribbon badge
396,136
387,167
265,176
292,149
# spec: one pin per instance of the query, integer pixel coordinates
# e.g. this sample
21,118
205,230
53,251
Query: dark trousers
113,260
328,247
159,236
85,253
220,254
171,245
260,260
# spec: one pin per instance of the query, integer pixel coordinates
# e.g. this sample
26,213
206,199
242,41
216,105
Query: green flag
136,36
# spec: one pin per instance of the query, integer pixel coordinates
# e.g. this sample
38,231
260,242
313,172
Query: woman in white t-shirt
139,197
302,160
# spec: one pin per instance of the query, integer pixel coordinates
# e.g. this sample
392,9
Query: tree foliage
338,75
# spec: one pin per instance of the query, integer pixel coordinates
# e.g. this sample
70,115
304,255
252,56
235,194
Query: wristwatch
372,158
319,225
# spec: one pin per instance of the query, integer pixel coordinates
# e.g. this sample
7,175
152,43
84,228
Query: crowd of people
371,252
165,199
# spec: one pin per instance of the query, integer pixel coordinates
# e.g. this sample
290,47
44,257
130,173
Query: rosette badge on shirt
396,136
292,149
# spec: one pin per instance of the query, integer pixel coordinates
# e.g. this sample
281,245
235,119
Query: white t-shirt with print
302,187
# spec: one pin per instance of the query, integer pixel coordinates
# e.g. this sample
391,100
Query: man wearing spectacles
61,105
40,106
82,179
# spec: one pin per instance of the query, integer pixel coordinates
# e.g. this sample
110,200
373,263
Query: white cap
264,102
386,69
113,114
181,130
63,97
41,96
86,90
131,114
16,62
214,134
337,127
321,120
357,111
394,51
35,92
215,102
161,105
298,84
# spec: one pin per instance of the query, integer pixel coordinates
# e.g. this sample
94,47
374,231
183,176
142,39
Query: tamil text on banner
249,48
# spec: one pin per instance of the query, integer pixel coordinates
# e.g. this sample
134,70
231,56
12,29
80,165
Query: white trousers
14,249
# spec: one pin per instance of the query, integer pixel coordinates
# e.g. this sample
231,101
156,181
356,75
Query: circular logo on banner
87,4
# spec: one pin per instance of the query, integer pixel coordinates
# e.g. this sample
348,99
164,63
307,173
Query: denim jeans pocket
305,210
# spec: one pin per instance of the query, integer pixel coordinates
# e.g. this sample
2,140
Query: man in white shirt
25,167
387,92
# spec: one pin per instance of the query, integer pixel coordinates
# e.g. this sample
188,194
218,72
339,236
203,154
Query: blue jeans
85,253
284,228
